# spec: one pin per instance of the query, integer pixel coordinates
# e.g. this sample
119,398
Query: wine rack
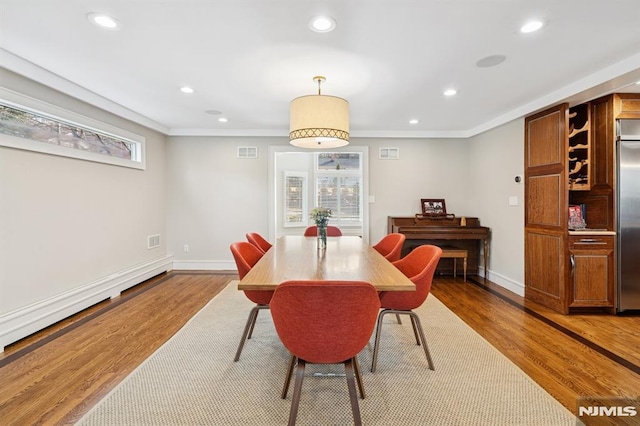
579,171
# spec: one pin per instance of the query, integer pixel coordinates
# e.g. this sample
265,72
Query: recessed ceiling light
414,121
530,27
491,61
186,89
104,21
322,24
222,120
450,92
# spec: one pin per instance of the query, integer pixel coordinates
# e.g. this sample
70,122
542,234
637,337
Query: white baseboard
204,265
501,280
22,322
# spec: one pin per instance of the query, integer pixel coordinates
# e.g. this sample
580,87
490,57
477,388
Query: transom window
30,124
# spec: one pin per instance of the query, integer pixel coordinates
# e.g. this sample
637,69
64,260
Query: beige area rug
192,379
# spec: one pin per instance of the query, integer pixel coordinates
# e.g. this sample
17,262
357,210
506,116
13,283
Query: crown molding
45,77
613,78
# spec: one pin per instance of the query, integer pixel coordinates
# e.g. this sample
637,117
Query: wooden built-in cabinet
570,160
591,272
546,206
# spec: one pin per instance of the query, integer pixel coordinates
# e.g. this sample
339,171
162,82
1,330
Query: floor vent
389,153
247,152
153,241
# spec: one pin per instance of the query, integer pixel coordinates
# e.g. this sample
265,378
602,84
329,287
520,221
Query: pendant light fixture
319,121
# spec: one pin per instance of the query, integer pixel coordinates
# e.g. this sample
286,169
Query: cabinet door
603,139
591,271
546,207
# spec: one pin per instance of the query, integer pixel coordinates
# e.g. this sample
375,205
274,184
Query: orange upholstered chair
332,231
391,246
324,322
419,266
246,255
258,241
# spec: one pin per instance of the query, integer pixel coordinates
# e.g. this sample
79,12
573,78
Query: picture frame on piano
433,207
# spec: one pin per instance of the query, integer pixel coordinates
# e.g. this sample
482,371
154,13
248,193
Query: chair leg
415,330
398,318
252,318
255,318
297,390
353,396
376,345
253,323
287,380
356,367
248,328
416,319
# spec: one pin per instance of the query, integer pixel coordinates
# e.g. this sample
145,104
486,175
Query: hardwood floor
580,356
56,375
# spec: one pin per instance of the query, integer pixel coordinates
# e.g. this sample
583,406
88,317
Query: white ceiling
391,59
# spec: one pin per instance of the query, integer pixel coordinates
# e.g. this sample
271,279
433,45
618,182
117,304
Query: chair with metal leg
259,241
246,255
332,231
419,266
324,322
391,246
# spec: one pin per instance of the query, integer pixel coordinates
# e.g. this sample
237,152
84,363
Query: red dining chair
332,231
246,255
324,322
259,241
391,246
419,266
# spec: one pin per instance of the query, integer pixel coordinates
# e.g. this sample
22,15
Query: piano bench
449,252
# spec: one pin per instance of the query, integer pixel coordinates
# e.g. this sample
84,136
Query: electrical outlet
186,248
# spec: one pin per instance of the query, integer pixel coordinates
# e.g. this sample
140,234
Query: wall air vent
153,241
389,154
247,152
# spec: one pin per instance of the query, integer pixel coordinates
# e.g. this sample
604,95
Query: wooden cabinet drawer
591,242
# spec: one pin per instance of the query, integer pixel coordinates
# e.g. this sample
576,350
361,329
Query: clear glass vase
322,237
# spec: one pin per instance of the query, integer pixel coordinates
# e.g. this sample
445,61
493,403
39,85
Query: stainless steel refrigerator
628,220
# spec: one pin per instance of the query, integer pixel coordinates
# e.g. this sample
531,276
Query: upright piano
446,231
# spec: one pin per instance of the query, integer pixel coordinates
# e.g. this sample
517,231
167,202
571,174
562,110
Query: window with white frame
339,186
29,124
295,199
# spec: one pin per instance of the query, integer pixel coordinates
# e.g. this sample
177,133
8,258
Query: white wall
427,168
69,227
496,157
214,199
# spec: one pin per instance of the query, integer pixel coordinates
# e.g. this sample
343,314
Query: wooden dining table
345,258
